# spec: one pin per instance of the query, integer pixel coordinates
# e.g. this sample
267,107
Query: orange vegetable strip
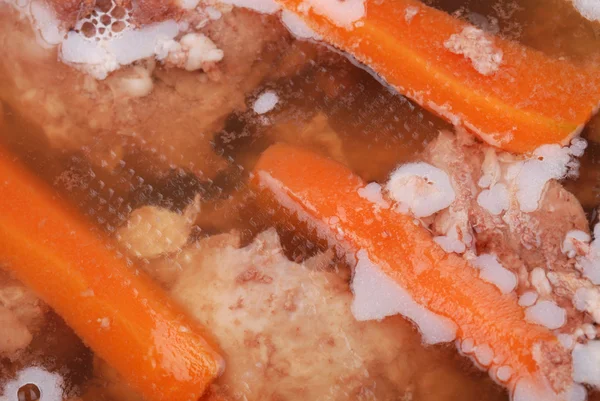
531,100
119,312
325,193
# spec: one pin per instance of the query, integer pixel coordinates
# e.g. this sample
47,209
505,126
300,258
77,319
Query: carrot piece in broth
512,96
120,313
313,191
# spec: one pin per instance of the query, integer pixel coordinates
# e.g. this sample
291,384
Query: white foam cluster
344,13
373,193
546,313
495,200
101,57
421,188
547,162
492,271
590,9
49,384
297,27
588,299
376,296
474,45
265,102
586,363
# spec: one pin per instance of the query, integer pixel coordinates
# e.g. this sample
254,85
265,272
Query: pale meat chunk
14,335
21,316
529,244
174,117
287,331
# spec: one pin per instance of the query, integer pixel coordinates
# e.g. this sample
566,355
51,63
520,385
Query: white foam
200,49
265,102
99,58
546,313
504,373
474,45
590,9
341,12
528,298
49,384
450,244
492,271
423,188
548,162
373,193
586,363
495,200
46,21
297,27
377,296
588,299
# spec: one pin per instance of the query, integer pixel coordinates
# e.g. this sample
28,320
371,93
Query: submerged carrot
530,100
118,312
322,193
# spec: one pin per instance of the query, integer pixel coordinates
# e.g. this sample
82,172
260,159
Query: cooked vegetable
323,194
511,96
124,318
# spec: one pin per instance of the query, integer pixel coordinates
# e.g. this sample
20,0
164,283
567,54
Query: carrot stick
530,101
314,190
120,313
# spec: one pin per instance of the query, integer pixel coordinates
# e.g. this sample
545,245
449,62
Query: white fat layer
546,313
422,188
547,163
528,298
586,363
343,13
376,296
99,58
495,200
261,6
590,9
492,271
297,27
373,193
265,102
49,384
474,45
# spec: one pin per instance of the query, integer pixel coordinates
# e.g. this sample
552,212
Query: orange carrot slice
120,313
529,101
322,193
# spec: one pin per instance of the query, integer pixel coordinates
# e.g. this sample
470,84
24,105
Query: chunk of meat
288,332
14,335
177,117
530,244
21,315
